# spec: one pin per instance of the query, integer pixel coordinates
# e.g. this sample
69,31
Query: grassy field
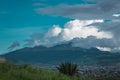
25,72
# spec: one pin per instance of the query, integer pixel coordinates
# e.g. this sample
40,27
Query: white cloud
116,15
72,29
103,48
106,34
81,29
53,32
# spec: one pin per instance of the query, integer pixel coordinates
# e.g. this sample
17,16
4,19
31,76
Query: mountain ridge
51,56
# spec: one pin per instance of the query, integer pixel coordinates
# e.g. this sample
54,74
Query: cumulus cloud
101,9
80,32
112,26
101,44
81,29
98,25
14,45
54,31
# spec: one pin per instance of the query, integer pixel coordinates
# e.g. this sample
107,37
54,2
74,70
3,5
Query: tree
68,69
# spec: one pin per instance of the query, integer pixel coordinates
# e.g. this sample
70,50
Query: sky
87,23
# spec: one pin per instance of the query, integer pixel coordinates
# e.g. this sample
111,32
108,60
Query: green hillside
25,72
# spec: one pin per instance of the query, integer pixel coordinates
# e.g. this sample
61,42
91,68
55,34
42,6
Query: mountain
47,57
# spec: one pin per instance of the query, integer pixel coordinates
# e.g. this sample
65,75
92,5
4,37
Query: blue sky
18,20
21,18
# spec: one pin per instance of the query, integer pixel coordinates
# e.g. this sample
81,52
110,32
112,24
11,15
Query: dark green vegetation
68,69
25,72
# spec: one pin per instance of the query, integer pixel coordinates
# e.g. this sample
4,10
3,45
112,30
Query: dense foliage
25,72
68,69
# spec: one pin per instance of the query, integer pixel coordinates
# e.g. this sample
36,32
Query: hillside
49,57
25,72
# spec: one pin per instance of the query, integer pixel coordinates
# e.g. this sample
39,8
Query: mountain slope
60,53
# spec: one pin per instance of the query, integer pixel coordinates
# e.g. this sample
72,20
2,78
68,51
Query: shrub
68,69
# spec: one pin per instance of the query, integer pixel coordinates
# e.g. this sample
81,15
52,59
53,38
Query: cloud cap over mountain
82,33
